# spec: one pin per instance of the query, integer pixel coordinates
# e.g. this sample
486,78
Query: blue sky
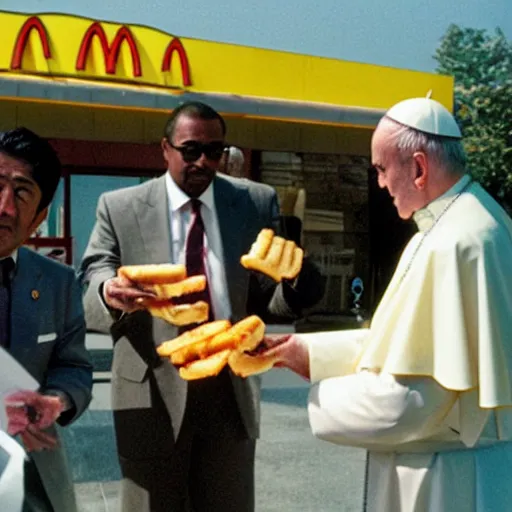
399,33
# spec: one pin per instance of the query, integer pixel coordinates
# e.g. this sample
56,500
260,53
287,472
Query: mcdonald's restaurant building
101,93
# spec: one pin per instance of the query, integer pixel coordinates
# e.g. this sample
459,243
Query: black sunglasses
192,151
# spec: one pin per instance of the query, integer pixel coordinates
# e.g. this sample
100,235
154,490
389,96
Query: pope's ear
421,164
38,219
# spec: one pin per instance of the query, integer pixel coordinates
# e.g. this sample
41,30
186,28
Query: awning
144,98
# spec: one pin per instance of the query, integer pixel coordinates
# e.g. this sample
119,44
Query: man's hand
35,440
26,409
123,294
290,351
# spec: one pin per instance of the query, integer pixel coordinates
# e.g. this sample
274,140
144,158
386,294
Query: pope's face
394,173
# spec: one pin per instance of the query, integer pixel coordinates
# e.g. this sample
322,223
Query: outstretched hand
289,351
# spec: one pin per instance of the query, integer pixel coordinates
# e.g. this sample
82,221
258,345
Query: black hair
192,109
23,144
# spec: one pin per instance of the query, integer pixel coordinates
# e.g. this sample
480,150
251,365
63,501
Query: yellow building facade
101,92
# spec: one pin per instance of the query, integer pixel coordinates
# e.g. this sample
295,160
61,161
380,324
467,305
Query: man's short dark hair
192,109
23,144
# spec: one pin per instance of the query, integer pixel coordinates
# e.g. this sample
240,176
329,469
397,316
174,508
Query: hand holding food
125,295
205,351
289,351
163,283
274,256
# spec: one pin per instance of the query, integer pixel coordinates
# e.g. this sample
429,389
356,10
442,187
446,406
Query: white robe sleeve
333,353
368,409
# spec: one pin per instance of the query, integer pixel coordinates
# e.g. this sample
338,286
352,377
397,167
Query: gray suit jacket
132,227
48,339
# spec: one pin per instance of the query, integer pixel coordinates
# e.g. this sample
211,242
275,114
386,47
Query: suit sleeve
287,299
70,368
100,262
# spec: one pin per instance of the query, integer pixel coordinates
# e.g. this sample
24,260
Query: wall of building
400,33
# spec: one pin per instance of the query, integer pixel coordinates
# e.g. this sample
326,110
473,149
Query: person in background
427,389
42,322
233,162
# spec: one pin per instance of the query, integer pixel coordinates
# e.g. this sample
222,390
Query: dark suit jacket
48,339
133,228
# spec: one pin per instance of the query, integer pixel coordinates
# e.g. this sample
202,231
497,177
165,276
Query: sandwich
274,256
204,351
168,281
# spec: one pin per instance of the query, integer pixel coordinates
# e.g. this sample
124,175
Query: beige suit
149,397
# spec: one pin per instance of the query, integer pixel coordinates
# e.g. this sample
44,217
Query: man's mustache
194,169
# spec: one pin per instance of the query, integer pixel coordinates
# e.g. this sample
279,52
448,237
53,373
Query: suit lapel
25,305
230,203
152,215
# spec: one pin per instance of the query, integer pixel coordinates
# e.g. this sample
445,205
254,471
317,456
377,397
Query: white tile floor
97,497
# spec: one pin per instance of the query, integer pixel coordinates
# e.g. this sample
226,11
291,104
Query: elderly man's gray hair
235,162
447,151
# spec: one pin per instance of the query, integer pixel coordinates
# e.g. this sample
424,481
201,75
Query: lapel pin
35,294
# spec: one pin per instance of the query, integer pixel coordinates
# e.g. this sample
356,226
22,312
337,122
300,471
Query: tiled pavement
294,471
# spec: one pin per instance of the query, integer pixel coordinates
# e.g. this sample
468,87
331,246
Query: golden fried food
188,338
180,314
243,364
168,281
274,256
203,352
153,274
167,291
203,368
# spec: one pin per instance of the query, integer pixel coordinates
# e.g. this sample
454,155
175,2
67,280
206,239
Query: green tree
481,64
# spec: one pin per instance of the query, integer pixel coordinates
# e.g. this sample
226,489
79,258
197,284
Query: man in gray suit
41,321
185,446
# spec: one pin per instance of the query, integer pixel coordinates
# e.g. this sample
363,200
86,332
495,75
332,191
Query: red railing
58,248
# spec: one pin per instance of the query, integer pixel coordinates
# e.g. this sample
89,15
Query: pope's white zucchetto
425,115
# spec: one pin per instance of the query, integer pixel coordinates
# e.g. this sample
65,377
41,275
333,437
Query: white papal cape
428,388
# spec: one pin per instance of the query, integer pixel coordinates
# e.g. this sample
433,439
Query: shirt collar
13,255
178,198
425,217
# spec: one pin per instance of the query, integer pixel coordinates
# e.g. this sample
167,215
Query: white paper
13,377
12,458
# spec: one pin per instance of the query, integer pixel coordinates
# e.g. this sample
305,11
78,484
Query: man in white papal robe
427,389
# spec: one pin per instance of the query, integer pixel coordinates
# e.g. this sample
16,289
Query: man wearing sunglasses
185,446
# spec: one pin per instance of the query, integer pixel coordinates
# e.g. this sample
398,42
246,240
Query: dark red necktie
6,266
195,255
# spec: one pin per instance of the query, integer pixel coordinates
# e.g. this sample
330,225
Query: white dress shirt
180,218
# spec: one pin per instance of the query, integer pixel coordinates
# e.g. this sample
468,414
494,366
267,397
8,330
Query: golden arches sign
140,43
55,45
